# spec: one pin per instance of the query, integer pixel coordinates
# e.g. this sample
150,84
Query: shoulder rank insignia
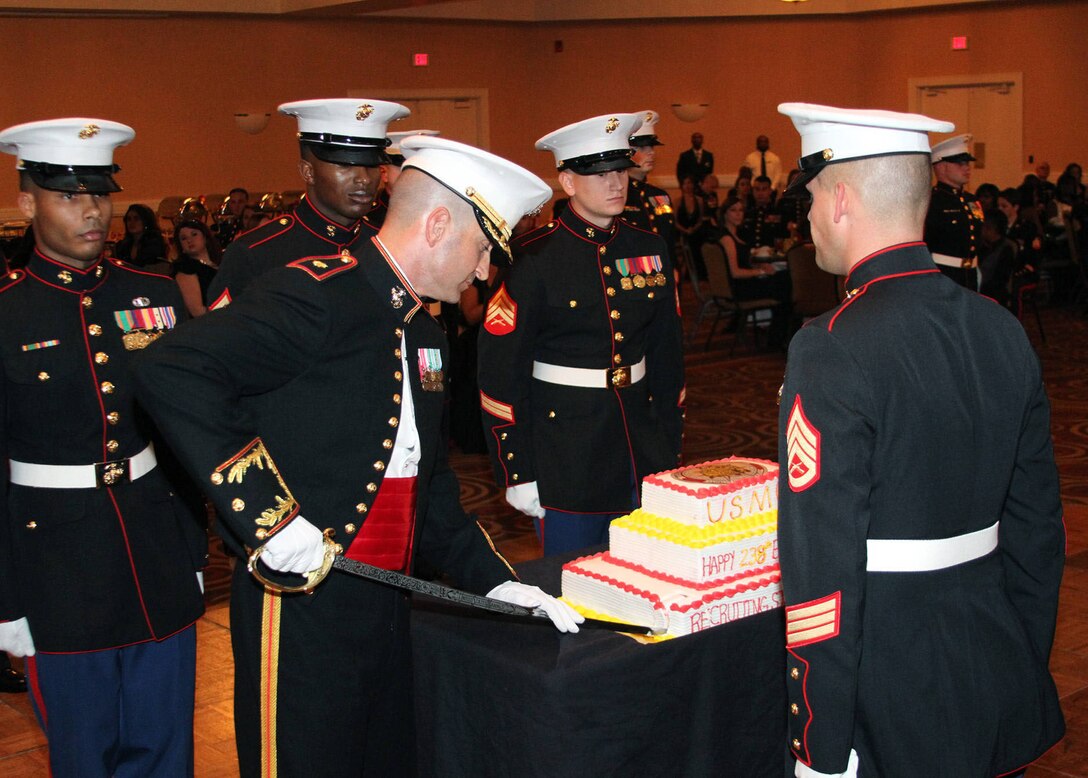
802,449
322,268
502,313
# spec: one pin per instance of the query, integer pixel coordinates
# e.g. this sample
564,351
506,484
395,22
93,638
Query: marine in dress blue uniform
581,362
342,143
314,404
648,207
99,557
375,217
922,541
954,219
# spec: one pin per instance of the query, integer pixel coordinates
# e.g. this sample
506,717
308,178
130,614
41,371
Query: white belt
83,476
916,556
590,378
958,262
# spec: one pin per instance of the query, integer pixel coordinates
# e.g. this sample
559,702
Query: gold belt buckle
110,473
969,263
619,377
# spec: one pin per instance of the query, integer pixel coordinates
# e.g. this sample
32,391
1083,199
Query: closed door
988,107
459,115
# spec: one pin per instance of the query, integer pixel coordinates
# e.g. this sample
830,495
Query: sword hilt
313,577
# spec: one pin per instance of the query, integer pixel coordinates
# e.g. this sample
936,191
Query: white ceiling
528,11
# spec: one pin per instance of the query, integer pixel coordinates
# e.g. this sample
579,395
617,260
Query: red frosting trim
717,490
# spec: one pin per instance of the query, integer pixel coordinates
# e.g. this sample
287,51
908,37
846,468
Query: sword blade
468,599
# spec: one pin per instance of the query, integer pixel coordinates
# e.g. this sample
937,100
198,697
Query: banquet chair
814,290
742,312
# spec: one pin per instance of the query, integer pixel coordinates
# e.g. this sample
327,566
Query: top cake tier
722,490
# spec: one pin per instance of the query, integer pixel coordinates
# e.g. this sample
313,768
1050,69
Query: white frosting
675,495
602,585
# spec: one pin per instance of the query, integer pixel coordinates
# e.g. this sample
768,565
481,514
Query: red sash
385,539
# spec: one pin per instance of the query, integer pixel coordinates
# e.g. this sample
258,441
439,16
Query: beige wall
178,81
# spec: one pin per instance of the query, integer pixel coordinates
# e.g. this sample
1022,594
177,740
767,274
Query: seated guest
691,223
751,280
793,206
742,190
997,260
143,244
197,263
763,224
986,194
228,220
708,192
1024,232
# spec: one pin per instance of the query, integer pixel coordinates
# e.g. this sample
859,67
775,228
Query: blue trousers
123,712
561,532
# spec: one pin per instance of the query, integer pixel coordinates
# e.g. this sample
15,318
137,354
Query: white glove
15,638
526,498
564,617
200,580
297,548
804,771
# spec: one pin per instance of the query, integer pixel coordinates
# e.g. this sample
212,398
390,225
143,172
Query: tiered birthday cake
702,551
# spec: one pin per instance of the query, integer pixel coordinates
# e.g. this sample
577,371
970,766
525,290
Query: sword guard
313,577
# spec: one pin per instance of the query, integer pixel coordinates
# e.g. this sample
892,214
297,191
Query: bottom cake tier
605,585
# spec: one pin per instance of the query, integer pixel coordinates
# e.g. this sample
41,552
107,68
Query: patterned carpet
732,410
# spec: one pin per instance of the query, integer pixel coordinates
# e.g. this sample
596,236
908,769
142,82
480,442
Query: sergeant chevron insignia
802,449
502,313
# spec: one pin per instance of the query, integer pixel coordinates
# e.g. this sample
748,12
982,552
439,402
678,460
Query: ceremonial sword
333,560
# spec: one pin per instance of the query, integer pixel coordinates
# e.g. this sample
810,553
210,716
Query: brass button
217,478
398,332
619,337
379,465
261,534
237,505
393,421
396,399
372,487
396,353
650,295
32,525
87,302
107,387
349,528
514,477
551,414
796,744
43,376
611,291
606,270
95,329
510,456
113,417
617,358
112,446
502,436
615,314
794,709
360,508
573,303
603,250
398,375
387,444
101,358
795,673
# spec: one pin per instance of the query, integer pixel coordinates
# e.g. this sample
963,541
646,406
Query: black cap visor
346,150
78,179
959,158
644,140
615,159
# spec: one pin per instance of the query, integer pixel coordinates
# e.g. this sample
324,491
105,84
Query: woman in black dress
197,263
143,244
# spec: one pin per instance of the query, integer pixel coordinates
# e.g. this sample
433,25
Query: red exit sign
959,43
422,60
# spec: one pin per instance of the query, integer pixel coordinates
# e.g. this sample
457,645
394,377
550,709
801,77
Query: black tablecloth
498,698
